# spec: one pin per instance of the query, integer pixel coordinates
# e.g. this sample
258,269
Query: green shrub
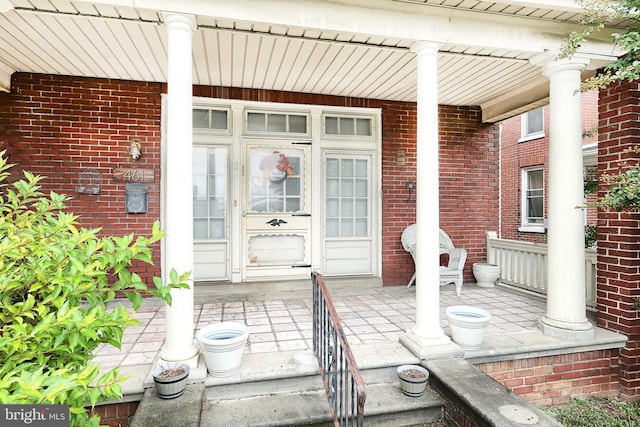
56,280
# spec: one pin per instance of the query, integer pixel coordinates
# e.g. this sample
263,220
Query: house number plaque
133,175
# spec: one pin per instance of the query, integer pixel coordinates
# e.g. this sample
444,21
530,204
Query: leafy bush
56,282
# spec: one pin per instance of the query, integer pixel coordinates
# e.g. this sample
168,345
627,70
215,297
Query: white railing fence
524,265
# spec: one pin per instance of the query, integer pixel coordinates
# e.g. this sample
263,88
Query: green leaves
58,282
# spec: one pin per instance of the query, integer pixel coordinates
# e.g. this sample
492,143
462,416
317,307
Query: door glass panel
276,180
210,183
347,205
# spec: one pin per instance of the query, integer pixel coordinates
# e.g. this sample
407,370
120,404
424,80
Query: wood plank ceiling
83,39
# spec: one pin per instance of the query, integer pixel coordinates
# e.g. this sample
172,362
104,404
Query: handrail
342,380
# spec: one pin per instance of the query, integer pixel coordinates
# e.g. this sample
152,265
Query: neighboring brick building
523,152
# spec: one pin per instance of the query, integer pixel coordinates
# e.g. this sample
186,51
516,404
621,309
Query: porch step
301,400
284,393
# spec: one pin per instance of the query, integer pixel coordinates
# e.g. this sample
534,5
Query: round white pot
486,274
413,379
467,325
223,346
169,385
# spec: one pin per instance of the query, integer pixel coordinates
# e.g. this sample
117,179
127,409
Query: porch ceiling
125,42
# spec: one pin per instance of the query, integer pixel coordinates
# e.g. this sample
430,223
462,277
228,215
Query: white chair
450,273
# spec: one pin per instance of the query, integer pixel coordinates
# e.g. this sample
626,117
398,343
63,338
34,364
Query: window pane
277,123
331,125
217,228
332,167
346,208
200,230
535,121
256,122
293,204
346,188
347,126
333,228
333,187
363,127
332,207
362,228
346,167
298,124
535,180
346,227
362,207
361,168
200,118
361,188
218,119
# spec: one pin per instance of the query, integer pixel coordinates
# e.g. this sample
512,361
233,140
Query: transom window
210,189
347,126
347,196
533,197
206,118
276,123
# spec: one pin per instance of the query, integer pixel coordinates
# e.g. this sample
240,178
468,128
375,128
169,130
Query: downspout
500,130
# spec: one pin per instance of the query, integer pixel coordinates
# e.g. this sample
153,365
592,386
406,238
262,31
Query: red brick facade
619,233
518,155
61,126
552,380
116,414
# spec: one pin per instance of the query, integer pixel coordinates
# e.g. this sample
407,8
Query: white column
427,331
178,248
566,305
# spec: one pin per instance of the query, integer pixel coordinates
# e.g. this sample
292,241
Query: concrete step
385,406
278,389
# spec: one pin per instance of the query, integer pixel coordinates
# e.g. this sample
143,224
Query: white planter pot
170,386
413,379
223,346
486,274
467,325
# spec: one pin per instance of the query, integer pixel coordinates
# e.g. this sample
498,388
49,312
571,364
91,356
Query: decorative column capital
426,47
573,64
179,20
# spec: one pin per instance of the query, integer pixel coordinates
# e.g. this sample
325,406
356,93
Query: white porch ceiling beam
394,19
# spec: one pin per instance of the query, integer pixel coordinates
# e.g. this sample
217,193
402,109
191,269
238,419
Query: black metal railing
340,375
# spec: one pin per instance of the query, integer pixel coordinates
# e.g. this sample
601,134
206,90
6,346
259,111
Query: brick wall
60,126
619,233
552,380
115,414
518,155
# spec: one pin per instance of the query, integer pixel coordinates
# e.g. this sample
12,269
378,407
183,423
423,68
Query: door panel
277,210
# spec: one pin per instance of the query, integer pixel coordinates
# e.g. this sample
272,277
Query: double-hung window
533,200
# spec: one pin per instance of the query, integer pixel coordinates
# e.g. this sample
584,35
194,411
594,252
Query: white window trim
523,129
524,226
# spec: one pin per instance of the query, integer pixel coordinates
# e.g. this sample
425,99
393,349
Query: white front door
277,210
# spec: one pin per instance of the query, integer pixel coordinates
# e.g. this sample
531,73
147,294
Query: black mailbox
137,199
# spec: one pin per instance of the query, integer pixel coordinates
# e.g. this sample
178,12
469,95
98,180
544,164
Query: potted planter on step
413,379
223,346
467,325
170,379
